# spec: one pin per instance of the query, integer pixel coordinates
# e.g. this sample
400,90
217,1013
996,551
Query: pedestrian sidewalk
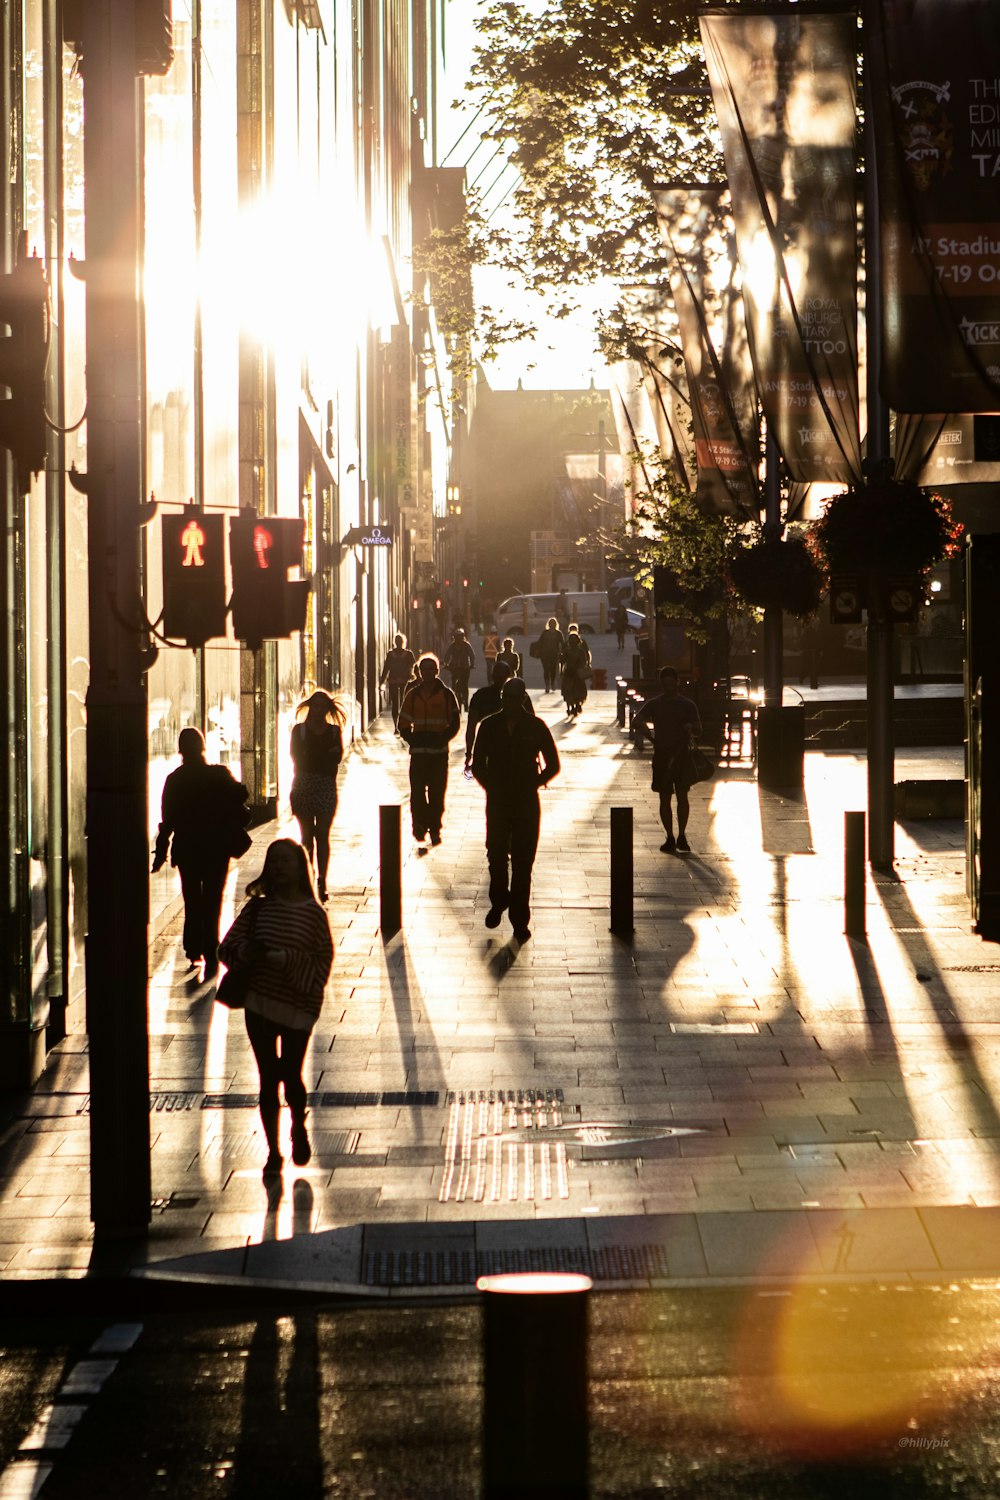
738,1091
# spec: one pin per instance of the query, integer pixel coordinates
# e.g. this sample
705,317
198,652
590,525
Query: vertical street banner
712,327
934,67
784,86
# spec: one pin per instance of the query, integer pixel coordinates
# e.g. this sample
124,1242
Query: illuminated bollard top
532,1283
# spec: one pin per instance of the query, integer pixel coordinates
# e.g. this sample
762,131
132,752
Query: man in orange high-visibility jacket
428,720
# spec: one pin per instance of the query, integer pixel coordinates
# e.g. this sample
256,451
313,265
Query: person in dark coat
510,656
576,671
203,822
505,762
549,649
428,720
317,748
458,663
486,701
620,622
676,725
397,673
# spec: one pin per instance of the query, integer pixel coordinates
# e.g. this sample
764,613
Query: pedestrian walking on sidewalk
317,749
510,656
459,663
203,823
676,725
576,671
397,674
620,622
549,649
428,720
283,937
509,746
486,701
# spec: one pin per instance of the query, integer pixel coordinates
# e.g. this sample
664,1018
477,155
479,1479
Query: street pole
117,834
774,643
880,691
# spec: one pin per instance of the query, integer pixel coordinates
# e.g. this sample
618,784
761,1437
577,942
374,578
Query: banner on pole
784,90
712,326
935,73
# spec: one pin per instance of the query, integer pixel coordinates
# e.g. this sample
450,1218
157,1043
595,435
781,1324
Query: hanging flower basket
886,526
773,573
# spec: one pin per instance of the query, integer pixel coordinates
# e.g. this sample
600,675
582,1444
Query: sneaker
420,834
494,916
522,934
435,839
669,845
301,1149
683,847
273,1165
321,890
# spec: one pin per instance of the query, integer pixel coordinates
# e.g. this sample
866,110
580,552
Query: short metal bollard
390,870
535,1385
622,916
854,874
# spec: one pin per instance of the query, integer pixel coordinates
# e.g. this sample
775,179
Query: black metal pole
622,916
390,870
854,874
774,619
880,693
535,1386
117,834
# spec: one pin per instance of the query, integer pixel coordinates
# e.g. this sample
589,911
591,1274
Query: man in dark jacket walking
505,762
428,721
458,663
486,701
203,821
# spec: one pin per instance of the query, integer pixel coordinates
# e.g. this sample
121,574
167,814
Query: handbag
234,986
702,764
533,650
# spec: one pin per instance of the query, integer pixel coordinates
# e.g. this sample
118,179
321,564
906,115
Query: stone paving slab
736,1090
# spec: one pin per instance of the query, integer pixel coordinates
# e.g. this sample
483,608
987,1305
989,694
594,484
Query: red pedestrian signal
24,307
194,577
267,604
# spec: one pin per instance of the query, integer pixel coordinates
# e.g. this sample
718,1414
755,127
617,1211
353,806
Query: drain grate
326,1145
413,1098
167,1101
463,1267
170,1101
715,1028
972,969
530,1097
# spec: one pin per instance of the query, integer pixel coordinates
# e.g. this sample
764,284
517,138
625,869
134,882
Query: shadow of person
278,1449
302,1207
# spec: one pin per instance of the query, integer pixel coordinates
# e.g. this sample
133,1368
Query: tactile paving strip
481,1160
463,1267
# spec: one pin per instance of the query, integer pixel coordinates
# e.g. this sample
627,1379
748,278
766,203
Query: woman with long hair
317,750
283,937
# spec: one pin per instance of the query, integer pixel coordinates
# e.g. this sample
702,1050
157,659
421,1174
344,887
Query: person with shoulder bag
203,823
280,943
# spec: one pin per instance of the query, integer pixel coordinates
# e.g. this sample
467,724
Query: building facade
283,367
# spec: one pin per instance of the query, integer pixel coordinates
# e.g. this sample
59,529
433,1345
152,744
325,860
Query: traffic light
267,605
194,577
24,307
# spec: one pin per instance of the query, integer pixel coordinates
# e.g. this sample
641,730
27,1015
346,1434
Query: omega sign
368,536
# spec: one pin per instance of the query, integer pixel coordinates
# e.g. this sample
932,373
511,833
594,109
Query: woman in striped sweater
282,934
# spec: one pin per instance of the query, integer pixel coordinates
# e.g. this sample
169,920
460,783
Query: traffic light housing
24,307
194,576
267,604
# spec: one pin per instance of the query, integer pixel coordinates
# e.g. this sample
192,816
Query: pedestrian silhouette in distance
676,725
510,656
576,671
317,748
203,822
505,761
620,622
397,673
549,649
458,663
282,936
429,719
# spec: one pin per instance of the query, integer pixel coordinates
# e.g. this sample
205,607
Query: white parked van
526,614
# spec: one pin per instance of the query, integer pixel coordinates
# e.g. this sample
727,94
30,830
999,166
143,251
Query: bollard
621,871
535,1385
390,870
854,874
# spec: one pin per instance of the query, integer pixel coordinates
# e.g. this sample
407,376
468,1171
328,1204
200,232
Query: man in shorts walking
676,725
